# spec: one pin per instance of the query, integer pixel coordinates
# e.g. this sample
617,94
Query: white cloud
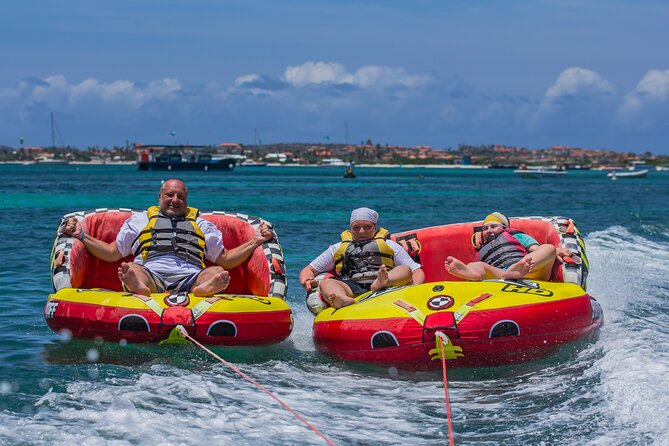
56,92
578,82
371,75
578,94
652,90
317,73
125,93
52,90
310,100
367,76
246,79
655,85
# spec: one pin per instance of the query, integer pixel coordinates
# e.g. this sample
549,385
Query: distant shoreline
403,166
385,166
62,163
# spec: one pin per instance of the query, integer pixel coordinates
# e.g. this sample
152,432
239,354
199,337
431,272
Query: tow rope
181,330
441,340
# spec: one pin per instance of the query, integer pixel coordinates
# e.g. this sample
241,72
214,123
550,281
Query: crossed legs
536,265
211,280
339,294
136,279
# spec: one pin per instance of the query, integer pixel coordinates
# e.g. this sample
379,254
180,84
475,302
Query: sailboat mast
53,132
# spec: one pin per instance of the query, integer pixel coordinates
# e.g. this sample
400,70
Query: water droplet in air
92,355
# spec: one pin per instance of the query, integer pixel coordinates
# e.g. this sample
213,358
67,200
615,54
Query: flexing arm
102,250
231,258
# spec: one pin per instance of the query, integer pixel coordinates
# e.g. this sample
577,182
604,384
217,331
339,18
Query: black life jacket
503,251
360,261
166,235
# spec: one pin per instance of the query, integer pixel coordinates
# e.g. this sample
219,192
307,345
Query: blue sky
585,73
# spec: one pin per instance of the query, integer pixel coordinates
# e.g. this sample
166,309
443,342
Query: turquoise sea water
610,392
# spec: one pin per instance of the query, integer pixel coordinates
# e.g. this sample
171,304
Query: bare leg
136,279
400,275
459,269
381,280
336,293
542,260
519,269
211,281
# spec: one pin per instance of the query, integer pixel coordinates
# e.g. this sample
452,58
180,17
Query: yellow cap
497,217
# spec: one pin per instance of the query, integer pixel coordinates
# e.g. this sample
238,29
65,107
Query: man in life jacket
170,243
504,253
365,260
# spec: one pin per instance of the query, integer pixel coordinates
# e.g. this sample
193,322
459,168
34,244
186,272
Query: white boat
540,172
337,162
249,163
628,174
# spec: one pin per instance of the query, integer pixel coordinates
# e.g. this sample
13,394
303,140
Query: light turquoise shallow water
612,391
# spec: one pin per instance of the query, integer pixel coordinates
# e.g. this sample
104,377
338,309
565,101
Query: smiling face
363,230
173,198
491,230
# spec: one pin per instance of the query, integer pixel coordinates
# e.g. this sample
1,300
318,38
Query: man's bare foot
381,280
128,277
459,269
338,300
519,269
216,284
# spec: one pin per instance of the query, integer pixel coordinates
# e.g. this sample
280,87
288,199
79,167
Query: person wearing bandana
364,260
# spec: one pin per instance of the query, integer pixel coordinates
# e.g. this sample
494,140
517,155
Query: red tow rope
185,334
440,340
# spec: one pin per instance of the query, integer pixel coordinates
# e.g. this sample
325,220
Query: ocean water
612,391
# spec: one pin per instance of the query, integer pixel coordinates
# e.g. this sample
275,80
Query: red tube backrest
98,273
455,240
252,277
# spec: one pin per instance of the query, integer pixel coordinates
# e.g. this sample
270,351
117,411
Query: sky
539,73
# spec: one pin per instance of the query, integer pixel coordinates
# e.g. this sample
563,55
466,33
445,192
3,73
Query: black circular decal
440,302
438,288
175,300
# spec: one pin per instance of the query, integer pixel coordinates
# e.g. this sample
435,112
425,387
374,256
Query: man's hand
73,228
263,234
309,284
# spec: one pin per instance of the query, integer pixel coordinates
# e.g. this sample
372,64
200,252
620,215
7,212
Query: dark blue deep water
612,391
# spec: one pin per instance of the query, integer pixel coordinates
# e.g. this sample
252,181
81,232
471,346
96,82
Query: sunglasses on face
356,228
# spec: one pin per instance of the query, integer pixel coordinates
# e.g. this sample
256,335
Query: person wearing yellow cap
365,260
504,253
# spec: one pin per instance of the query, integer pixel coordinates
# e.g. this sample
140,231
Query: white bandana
366,214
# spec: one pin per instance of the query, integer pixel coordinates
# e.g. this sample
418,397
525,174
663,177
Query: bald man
170,243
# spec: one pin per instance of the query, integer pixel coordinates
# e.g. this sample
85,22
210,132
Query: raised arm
230,258
102,250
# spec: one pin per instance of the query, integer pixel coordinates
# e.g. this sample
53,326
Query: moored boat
486,323
540,172
183,157
89,301
640,173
